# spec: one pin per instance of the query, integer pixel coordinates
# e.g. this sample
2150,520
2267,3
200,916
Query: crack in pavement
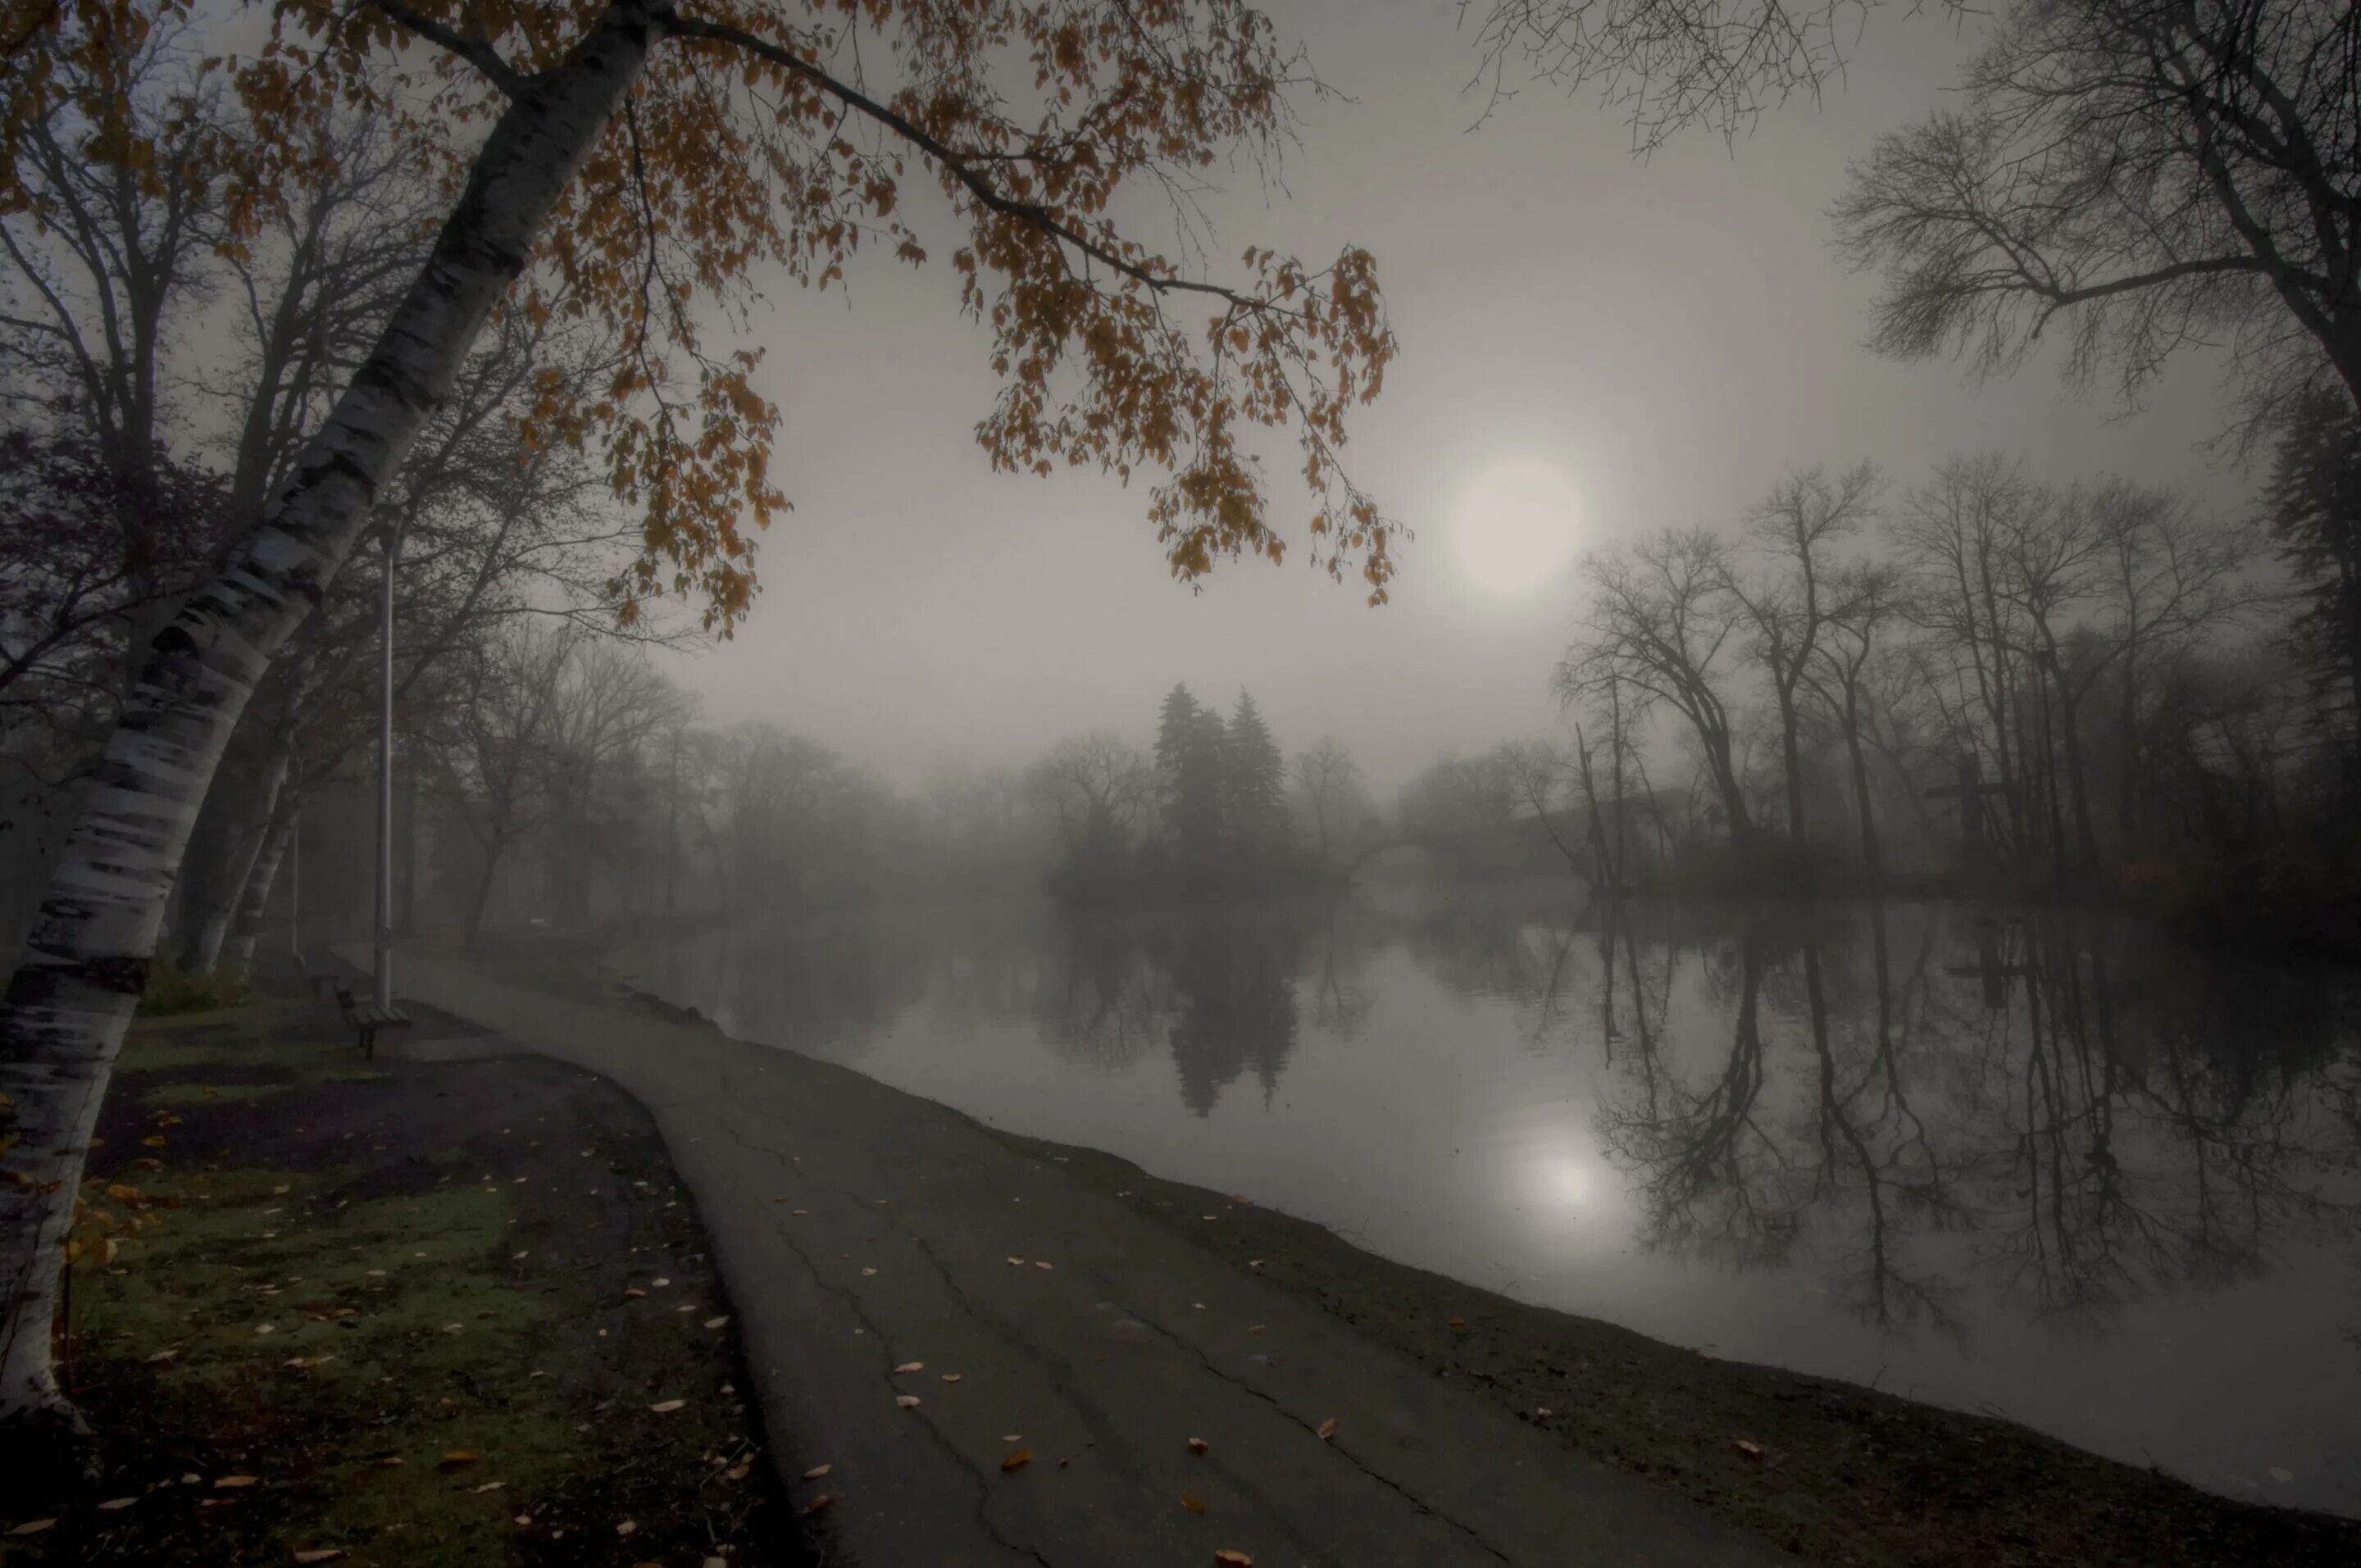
1346,1454
1093,1415
889,1358
974,1471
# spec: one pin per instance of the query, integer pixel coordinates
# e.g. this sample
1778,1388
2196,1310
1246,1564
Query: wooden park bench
366,1018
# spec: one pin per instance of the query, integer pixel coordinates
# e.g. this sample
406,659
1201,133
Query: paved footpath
861,1228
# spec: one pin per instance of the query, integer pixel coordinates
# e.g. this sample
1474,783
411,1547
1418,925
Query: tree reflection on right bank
1925,1103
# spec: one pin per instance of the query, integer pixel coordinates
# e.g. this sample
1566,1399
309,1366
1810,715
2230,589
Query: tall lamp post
392,545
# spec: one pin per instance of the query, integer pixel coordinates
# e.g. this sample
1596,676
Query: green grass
430,1352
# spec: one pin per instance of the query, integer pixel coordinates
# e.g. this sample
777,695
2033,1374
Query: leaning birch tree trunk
214,924
237,954
86,960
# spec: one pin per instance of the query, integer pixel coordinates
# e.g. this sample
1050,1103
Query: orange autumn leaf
1193,1503
1016,1460
1328,1429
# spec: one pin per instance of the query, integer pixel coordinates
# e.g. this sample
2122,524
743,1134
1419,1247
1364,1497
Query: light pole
391,543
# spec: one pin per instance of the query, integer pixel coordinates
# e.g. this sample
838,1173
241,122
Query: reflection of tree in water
988,965
2161,1132
1100,1003
821,985
2097,1138
1481,947
1341,997
1711,1175
1233,1005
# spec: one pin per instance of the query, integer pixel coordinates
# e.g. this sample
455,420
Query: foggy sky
1675,334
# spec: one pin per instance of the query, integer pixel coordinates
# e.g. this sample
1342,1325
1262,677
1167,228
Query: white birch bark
214,924
237,956
86,962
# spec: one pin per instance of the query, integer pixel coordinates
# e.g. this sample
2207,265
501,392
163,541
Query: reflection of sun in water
1517,525
1561,1178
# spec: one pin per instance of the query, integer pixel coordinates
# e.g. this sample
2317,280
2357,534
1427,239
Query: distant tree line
1214,808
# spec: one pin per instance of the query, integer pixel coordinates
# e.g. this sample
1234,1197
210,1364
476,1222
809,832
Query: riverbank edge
1836,1472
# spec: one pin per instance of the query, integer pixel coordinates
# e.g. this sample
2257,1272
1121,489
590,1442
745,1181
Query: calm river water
2041,1168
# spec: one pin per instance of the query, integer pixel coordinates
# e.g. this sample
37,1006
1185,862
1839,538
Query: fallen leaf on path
459,1456
1239,1198
626,1528
491,1486
666,1406
817,1471
523,1520
659,1284
191,1479
153,1141
633,1290
909,1366
321,1554
907,1401
113,1503
234,1482
1751,1450
717,1322
167,1354
867,1272
740,1471
1040,1262
33,1526
1228,1559
1254,1263
389,1461
1253,1328
804,1211
1543,1411
453,1328
1017,1461
279,1191
951,1376
1208,1216
1193,1503
1198,1445
1012,1437
817,1504
1016,1263
1458,1323
266,1328
1328,1429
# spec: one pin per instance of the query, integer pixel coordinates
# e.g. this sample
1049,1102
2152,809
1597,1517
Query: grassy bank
395,1312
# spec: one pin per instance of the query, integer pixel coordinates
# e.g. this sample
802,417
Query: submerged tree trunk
87,957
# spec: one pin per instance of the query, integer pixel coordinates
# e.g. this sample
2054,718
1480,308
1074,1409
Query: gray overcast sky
1673,335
